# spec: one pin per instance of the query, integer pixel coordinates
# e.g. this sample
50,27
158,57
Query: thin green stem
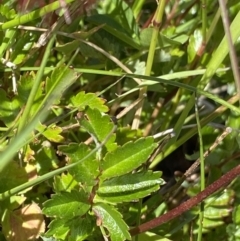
170,113
232,52
204,21
157,20
137,7
202,170
37,82
213,25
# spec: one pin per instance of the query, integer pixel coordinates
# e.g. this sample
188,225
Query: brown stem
221,182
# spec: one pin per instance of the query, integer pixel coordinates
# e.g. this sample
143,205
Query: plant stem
204,21
157,20
137,7
212,188
37,82
202,171
232,52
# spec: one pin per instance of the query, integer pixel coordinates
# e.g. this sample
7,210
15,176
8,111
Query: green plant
88,91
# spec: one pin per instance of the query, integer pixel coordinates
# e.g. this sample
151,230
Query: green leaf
212,223
81,229
21,48
125,196
233,232
163,40
69,47
220,199
99,126
9,109
66,205
84,35
129,187
236,215
111,219
124,15
150,236
89,52
64,183
7,12
127,158
24,87
12,176
58,228
52,133
195,42
132,182
87,170
114,28
45,156
81,100
126,134
62,77
216,213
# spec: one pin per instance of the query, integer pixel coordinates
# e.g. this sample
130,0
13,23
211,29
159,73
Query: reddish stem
218,184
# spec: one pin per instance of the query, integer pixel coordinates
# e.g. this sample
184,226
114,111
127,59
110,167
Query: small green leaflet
125,196
81,100
81,228
52,132
236,215
66,205
7,12
216,213
12,176
61,78
127,158
87,170
111,219
210,224
99,126
9,108
221,199
64,183
76,229
58,229
129,187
